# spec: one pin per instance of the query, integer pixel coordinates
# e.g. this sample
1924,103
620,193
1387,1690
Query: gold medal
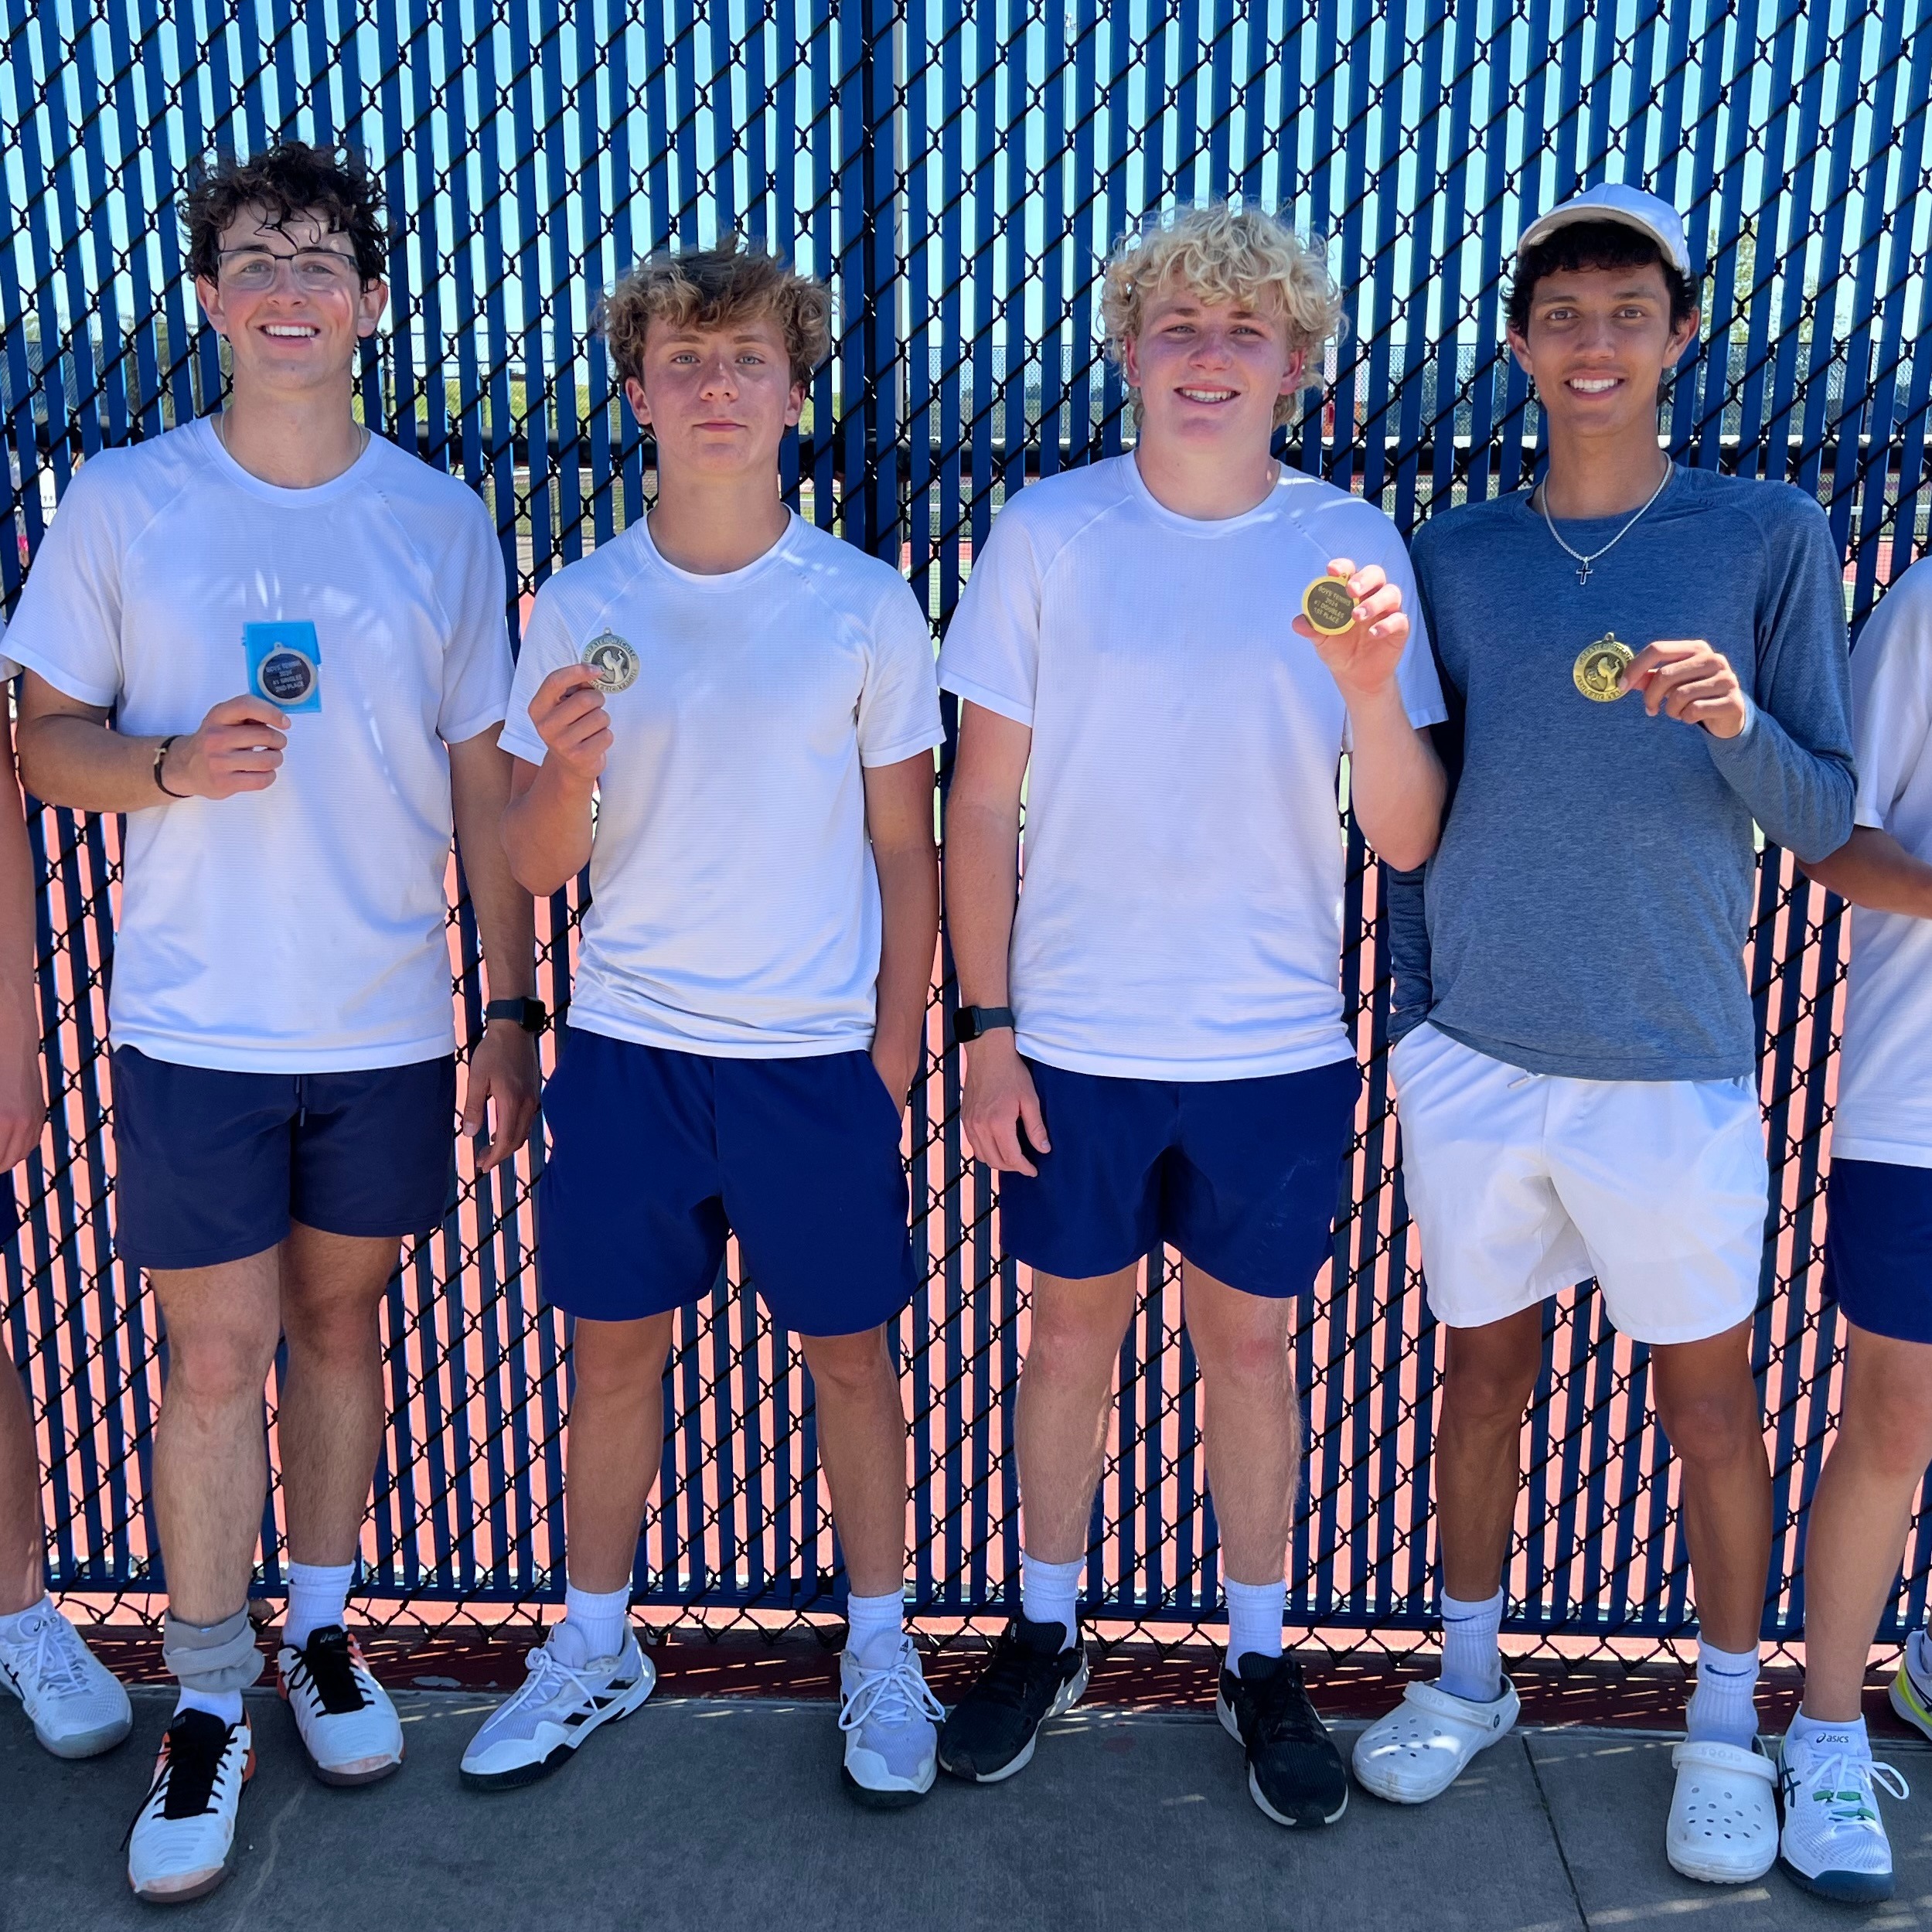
1598,672
613,660
1328,607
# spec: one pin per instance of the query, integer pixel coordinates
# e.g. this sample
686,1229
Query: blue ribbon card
284,664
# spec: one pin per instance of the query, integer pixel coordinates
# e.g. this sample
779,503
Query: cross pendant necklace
1541,500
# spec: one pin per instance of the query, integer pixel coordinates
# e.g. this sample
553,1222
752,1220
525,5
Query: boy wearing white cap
1575,1065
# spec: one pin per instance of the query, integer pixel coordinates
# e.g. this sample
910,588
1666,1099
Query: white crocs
1723,1827
1421,1747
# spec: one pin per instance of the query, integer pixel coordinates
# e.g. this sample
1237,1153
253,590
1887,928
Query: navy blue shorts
1242,1176
655,1156
213,1166
1878,1246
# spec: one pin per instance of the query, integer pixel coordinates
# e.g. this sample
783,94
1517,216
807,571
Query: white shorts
1521,1183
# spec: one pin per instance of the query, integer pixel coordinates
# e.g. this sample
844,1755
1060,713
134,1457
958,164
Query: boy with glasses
277,643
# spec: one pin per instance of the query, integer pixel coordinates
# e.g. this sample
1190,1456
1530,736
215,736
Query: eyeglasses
314,272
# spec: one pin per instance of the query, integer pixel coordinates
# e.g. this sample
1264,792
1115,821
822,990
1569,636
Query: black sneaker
1295,1773
1029,1678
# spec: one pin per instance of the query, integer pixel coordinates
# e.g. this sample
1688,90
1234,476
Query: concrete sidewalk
727,1815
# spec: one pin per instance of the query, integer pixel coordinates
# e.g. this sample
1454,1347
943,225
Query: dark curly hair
1595,244
289,181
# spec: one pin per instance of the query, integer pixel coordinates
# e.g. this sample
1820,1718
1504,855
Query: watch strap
531,1015
970,1022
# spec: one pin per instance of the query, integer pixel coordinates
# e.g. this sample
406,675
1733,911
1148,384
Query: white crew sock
1255,1614
1049,1592
1724,1707
317,1596
596,1618
1815,1737
14,1629
225,1705
1472,1657
873,1627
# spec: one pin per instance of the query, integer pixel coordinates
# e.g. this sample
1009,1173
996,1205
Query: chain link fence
957,169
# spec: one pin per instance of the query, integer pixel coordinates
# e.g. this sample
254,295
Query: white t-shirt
1181,918
1884,1108
734,905
302,928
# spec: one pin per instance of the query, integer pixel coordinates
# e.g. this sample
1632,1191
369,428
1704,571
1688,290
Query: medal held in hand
613,660
284,664
1598,670
1328,607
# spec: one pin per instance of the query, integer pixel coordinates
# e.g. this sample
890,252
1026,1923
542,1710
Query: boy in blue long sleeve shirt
1640,661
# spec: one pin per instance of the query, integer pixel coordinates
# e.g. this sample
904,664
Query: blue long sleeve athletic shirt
1586,911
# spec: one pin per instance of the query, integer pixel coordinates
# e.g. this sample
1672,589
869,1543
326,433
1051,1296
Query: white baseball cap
1630,207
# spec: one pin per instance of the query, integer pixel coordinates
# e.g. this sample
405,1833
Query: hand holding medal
568,711
1688,679
1683,678
239,748
1355,620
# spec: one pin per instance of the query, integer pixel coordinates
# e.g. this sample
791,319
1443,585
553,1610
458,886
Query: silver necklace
1583,563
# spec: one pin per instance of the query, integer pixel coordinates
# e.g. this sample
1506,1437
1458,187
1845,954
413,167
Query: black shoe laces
191,1760
1016,1674
1278,1708
325,1662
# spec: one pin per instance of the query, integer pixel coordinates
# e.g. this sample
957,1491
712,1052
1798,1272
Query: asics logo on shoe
327,1665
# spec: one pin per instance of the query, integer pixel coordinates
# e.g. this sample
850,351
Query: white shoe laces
550,1675
1847,1780
896,1693
53,1656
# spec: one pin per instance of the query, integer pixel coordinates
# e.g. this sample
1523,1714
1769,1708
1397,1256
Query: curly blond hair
713,288
1225,254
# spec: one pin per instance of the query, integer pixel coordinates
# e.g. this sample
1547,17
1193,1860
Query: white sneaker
1723,1821
1908,1699
180,1842
347,1726
1423,1745
535,1732
78,1707
1833,1840
891,1721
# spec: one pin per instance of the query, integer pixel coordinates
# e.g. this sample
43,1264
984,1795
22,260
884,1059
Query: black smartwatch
970,1022
531,1015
